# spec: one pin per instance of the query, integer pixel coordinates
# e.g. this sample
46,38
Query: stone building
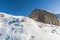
44,16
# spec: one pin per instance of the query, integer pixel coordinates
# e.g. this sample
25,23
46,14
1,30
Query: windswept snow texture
24,28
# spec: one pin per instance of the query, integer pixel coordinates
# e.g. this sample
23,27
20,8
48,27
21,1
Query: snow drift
24,28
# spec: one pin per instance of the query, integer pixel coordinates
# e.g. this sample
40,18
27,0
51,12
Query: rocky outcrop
44,16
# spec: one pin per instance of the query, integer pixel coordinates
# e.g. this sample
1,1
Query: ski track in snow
24,28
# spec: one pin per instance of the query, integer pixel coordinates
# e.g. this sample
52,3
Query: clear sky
25,7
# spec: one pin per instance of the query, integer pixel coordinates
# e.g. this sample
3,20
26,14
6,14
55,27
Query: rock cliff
44,16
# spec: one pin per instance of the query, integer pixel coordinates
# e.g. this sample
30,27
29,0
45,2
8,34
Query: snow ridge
24,28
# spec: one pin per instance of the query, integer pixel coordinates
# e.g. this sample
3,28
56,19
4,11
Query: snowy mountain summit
24,28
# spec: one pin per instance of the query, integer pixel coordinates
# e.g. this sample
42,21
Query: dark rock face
44,16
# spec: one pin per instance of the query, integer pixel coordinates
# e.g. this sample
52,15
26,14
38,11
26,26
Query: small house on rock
44,16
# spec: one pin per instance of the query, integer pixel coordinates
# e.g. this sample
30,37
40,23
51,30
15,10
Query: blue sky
25,7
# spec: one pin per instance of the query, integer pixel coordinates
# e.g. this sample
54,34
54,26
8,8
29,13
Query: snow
24,28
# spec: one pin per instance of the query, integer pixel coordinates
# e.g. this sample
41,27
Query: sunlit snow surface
24,28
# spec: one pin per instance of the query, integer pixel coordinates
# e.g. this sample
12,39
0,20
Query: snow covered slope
24,28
